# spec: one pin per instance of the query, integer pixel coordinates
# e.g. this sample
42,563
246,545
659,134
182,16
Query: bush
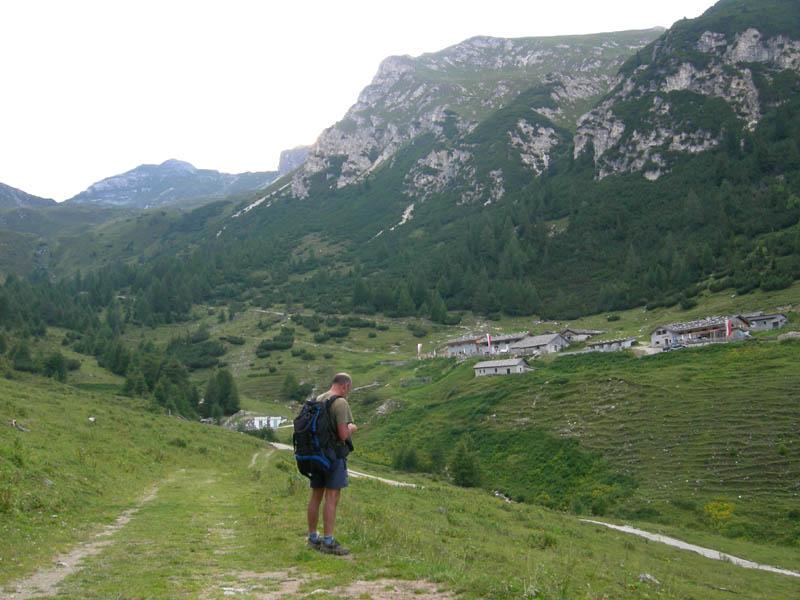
283,341
406,460
55,365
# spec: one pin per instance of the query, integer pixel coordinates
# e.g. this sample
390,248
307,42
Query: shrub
718,512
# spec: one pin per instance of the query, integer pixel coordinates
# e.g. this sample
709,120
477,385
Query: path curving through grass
706,552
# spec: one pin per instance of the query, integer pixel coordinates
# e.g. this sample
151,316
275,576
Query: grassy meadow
225,516
700,444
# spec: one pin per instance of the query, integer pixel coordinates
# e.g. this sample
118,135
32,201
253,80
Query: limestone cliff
687,94
449,92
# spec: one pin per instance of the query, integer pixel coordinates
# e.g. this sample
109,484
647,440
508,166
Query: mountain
455,89
170,183
13,198
559,176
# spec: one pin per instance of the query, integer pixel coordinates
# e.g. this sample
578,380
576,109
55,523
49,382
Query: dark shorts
336,478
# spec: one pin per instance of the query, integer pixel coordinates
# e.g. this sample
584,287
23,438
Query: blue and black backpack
313,437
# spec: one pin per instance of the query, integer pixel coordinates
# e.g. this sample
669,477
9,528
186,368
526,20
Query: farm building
611,345
579,335
466,345
501,367
501,343
539,344
761,322
710,329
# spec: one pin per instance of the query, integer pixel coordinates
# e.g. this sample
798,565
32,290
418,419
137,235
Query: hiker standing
330,486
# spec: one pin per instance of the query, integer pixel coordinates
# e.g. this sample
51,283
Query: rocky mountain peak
454,89
178,165
173,181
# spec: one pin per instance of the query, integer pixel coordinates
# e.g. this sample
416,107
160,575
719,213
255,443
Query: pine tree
464,466
228,394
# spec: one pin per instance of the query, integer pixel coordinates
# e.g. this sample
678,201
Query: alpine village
563,274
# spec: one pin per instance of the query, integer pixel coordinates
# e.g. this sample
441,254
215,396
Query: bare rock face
534,143
724,73
291,159
447,93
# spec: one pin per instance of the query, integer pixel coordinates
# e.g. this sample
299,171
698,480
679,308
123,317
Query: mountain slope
13,198
172,182
490,215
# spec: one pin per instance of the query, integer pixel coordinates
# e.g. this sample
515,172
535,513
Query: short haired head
342,379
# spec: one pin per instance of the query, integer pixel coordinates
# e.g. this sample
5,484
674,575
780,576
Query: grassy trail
220,530
193,536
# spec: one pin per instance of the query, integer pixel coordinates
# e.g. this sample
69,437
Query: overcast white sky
91,89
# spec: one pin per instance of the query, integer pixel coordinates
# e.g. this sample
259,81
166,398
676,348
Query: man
330,486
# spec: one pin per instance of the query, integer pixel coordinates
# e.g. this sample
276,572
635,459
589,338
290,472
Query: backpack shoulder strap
330,400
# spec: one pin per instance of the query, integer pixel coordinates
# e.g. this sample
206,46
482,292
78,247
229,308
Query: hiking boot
315,544
333,548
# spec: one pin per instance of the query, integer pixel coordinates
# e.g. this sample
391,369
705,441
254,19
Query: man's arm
345,430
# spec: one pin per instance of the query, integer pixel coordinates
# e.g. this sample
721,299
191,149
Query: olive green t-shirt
340,409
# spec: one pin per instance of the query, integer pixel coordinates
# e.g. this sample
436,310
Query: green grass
216,522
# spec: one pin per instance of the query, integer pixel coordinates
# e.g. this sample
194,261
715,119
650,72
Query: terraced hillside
668,438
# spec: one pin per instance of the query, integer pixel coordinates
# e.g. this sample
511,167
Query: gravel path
707,552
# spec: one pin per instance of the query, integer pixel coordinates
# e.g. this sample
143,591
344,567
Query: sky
92,89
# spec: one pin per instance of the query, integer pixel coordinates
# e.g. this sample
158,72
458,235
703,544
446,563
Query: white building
264,422
501,367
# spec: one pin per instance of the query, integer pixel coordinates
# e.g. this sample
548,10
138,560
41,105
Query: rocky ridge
722,68
171,182
447,93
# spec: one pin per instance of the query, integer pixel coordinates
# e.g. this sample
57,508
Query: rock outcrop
719,66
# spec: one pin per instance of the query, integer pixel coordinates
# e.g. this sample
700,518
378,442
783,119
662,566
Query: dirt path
45,581
707,552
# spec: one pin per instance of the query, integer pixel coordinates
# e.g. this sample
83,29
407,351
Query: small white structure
611,345
501,367
767,322
264,422
539,344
